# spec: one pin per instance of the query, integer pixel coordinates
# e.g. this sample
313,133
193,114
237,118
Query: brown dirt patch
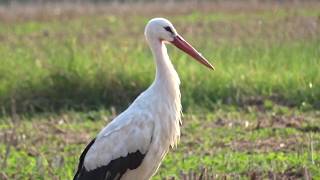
268,145
280,121
21,137
289,174
48,11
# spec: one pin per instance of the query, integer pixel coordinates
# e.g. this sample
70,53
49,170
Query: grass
65,74
230,142
84,62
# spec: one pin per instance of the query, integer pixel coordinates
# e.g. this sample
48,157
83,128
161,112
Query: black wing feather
113,171
81,159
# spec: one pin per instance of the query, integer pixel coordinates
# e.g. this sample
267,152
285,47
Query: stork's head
161,29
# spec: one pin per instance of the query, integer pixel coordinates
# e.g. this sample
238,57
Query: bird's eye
167,28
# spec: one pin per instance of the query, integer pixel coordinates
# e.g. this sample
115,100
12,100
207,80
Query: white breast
165,109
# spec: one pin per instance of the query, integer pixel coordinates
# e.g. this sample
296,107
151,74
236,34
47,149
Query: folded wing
122,145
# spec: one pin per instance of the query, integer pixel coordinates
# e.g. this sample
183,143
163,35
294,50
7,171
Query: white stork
133,145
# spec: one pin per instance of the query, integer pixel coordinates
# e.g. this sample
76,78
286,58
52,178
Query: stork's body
133,145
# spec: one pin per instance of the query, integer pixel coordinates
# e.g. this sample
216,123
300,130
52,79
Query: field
67,71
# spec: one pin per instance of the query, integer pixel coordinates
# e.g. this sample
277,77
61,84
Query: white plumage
145,131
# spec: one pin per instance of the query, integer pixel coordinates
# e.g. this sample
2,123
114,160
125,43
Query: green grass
228,142
91,61
257,115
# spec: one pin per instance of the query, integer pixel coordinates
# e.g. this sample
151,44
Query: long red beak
182,44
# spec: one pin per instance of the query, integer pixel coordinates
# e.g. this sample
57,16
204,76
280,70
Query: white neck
166,75
166,86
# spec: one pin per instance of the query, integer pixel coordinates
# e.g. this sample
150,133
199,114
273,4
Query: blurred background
69,67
